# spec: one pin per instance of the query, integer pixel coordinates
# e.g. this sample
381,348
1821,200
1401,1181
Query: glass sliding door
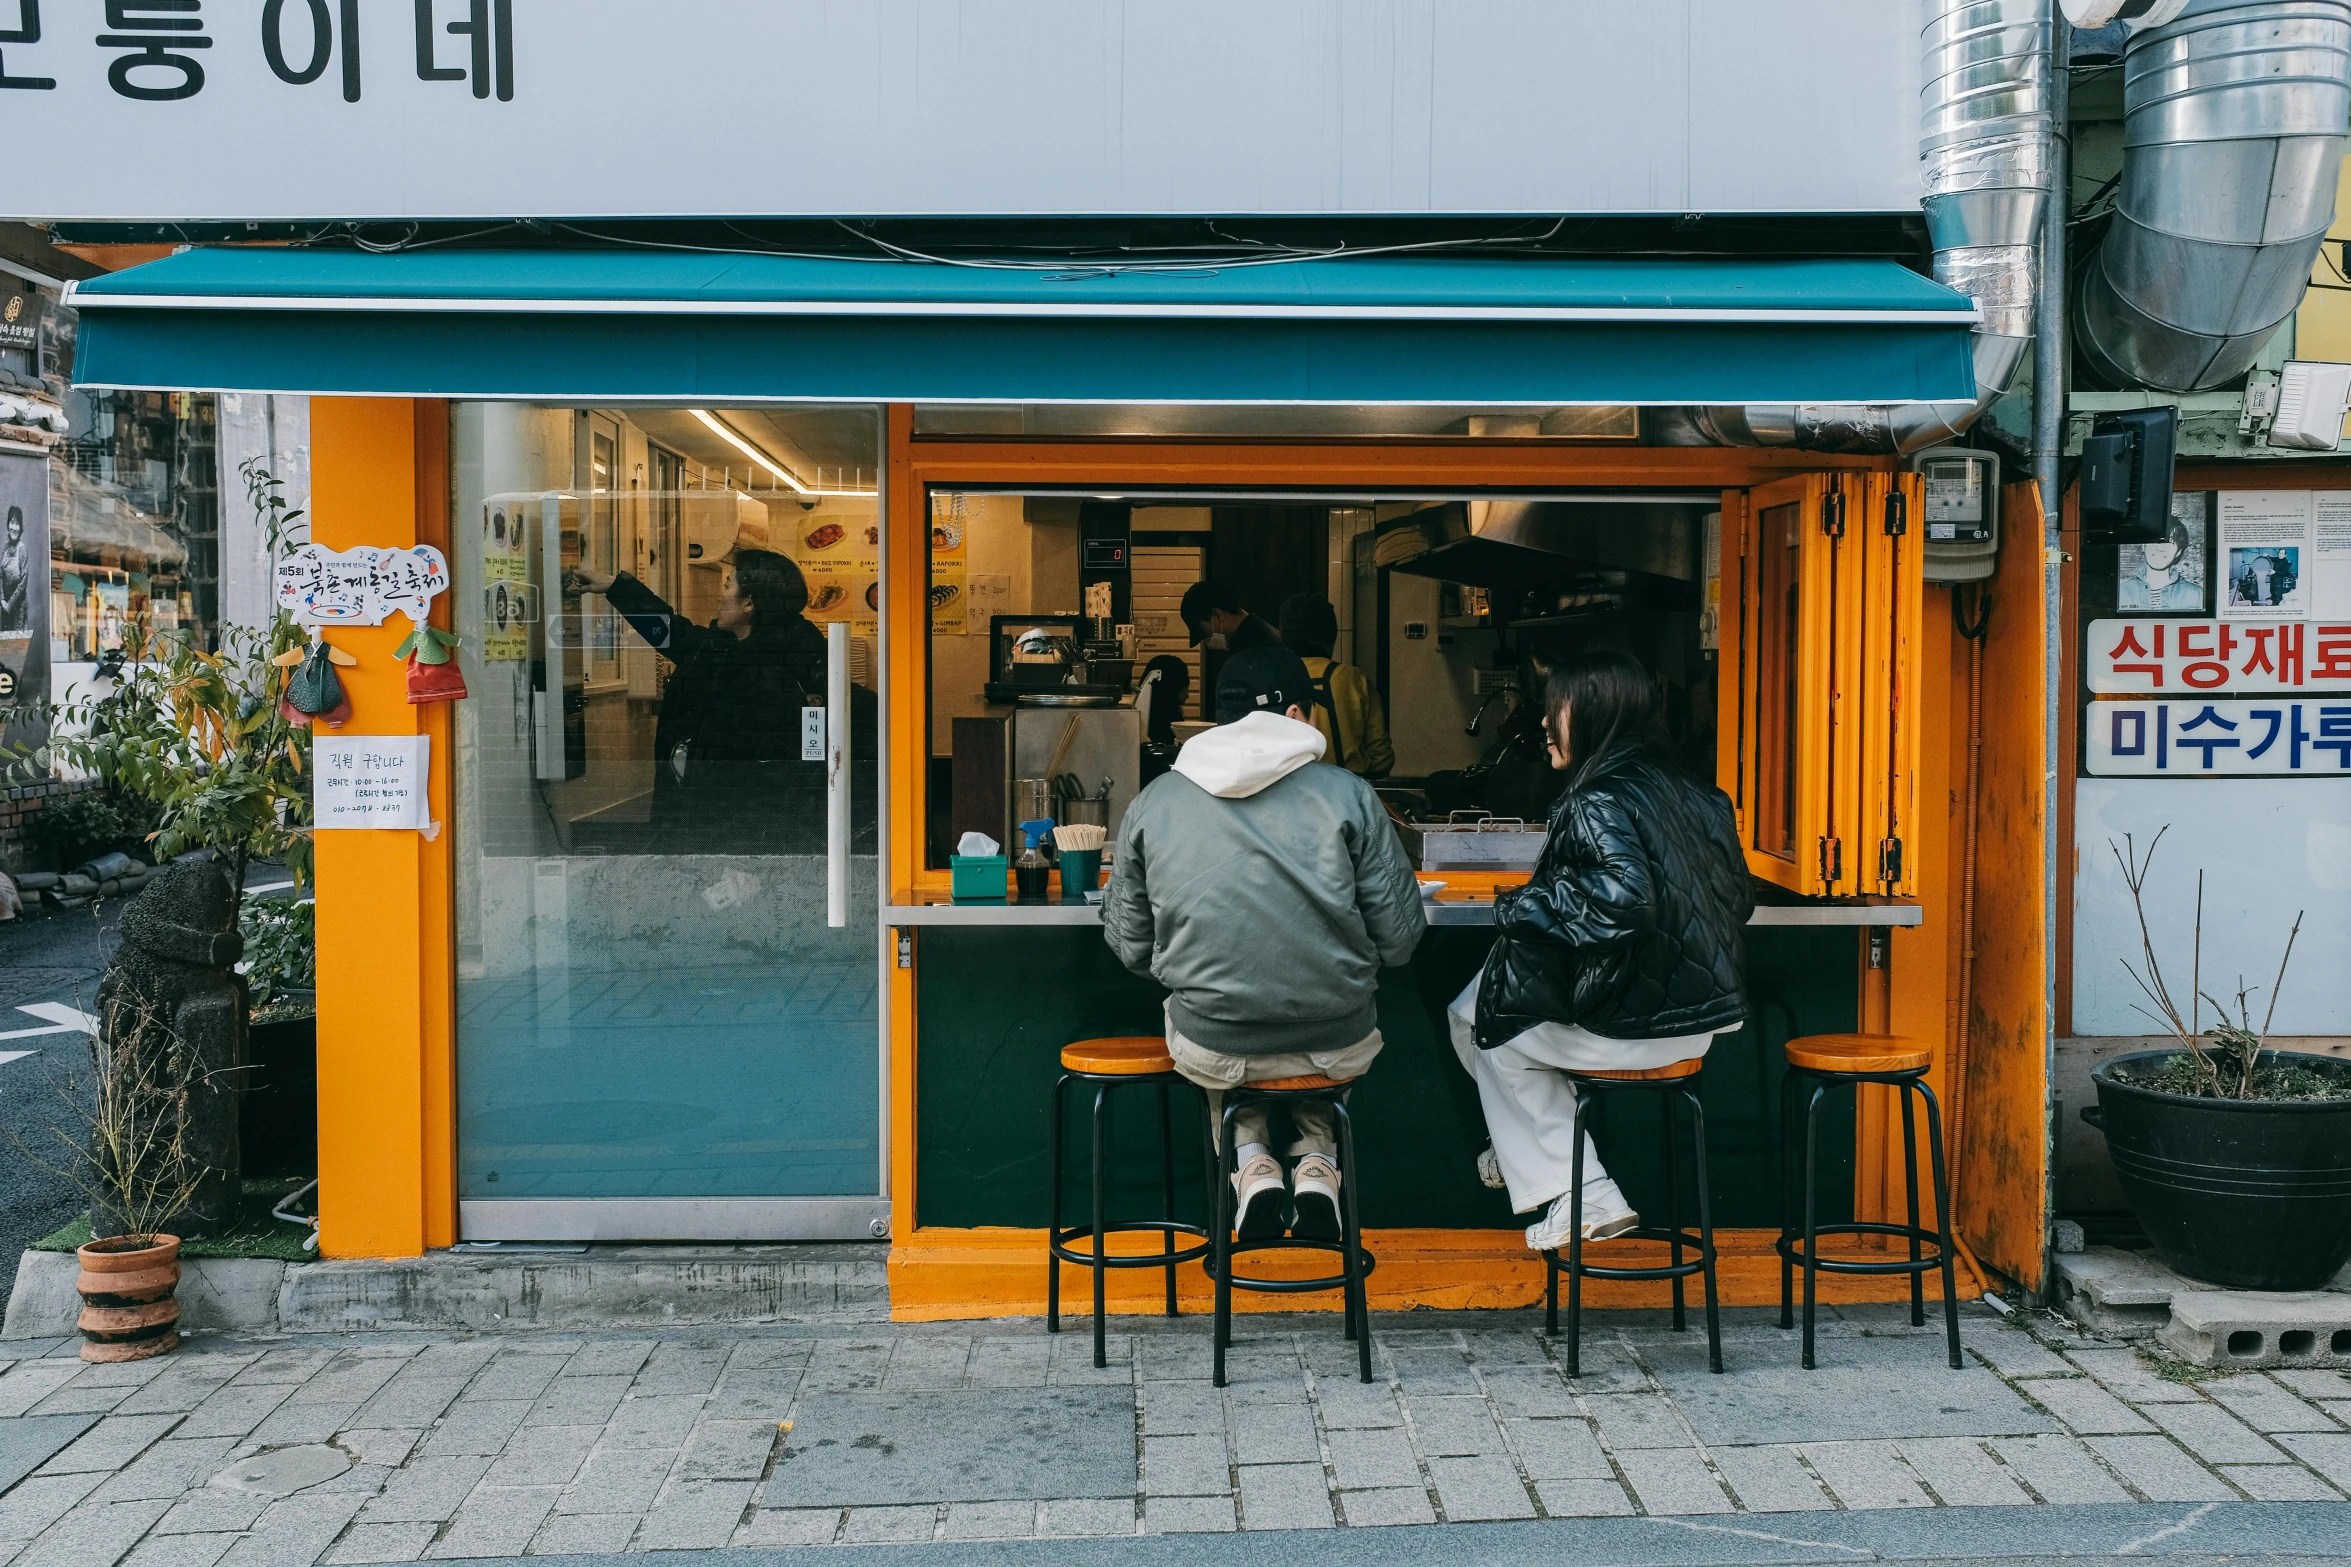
666,1030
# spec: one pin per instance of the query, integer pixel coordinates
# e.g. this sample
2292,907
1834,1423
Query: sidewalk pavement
283,1452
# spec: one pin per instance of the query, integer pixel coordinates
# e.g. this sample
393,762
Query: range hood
1509,544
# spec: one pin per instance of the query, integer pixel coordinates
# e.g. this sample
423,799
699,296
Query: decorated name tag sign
362,587
2194,738
371,781
2165,656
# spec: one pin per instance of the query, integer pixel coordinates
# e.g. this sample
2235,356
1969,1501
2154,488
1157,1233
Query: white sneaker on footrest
1315,1185
1550,1232
1259,1185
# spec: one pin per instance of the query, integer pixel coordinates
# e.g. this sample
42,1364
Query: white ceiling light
726,433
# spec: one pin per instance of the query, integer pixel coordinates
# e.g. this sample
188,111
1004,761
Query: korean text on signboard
362,587
2162,656
2184,739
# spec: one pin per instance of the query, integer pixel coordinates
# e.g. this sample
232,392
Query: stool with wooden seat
1107,1064
1821,1062
1355,1263
1674,1081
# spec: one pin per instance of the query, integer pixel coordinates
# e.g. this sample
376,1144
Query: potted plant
2230,1152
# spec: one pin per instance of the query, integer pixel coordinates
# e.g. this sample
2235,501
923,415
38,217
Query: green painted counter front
995,1006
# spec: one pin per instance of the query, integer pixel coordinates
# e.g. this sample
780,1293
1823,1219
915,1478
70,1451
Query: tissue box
979,875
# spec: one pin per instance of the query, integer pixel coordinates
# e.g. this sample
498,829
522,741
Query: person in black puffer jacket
1624,952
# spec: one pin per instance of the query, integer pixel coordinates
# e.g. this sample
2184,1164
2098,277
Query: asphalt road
53,958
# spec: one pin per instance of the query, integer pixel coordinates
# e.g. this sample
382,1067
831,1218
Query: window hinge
1889,860
1897,514
1832,861
905,947
1832,514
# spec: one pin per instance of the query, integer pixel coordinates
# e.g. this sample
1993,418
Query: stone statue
171,1008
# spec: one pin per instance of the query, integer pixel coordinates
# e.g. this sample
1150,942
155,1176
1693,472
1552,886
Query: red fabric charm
434,682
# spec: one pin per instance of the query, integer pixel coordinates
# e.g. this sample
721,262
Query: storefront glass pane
651,1003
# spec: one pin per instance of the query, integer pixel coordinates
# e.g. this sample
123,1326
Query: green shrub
281,948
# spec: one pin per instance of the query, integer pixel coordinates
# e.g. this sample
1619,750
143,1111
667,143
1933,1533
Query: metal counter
1441,912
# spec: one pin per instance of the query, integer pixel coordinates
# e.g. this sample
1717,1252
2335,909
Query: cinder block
2249,1328
2115,1293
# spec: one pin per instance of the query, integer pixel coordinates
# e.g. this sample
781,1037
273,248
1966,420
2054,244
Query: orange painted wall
379,476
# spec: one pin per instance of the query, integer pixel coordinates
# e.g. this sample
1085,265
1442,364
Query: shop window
1821,605
134,523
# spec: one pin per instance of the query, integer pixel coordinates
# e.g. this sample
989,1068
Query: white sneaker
1315,1187
1259,1185
1550,1232
1490,1170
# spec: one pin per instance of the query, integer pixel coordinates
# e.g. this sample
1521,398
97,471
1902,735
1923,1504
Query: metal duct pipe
2234,116
1984,132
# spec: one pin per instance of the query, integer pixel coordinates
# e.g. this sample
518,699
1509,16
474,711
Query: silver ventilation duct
2234,116
1984,156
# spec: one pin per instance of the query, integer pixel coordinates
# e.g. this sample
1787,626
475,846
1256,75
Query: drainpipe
2049,411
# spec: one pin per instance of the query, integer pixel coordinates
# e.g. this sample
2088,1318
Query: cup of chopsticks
1080,847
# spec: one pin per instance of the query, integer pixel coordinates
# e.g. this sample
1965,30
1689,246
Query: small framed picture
2174,576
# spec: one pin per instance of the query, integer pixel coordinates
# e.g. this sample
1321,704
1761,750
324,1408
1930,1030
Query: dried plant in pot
2236,1156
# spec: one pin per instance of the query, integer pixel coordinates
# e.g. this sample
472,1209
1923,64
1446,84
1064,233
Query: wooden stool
1675,1081
1355,1263
1108,1064
1826,1061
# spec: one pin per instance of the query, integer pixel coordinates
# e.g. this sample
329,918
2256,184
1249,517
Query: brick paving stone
2213,1434
389,1448
213,1510
2060,1468
928,1364
2012,1352
857,1365
1373,1460
1181,1409
359,1480
293,1533
1493,1348
495,1521
121,1373
1348,1405
655,1421
743,1393
1557,1449
1070,1363
33,1505
295,1425
618,1480
1088,1517
167,1469
1428,1375
409,1400
543,1455
84,1398
2085,1407
2329,1455
1275,1434
381,1542
778,1526
679,1368
1865,1474
2265,1406
1583,1498
1535,1391
1672,1480
515,1375
1632,1420
235,1409
1607,1366
1186,1515
998,1362
1186,1466
577,1401
2317,1384
765,1354
346,1379
729,1450
283,1367
178,1550
612,1357
584,1534
1383,1508
93,1536
990,1521
183,1387
891,1525
2124,1373
1961,1473
459,1359
695,1515
2155,1467
475,1430
1284,1496
1765,1479
1453,1427
428,1490
1480,1488
2280,1483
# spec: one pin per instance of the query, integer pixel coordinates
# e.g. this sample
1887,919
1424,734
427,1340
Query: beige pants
1312,1124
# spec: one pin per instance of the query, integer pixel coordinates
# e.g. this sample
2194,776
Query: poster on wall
2267,551
2173,575
2331,577
506,598
24,588
2273,736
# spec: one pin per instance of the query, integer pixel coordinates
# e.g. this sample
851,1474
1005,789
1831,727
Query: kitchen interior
1066,679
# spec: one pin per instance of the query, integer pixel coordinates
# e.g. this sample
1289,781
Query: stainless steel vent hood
1507,544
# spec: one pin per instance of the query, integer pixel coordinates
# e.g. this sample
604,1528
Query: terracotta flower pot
128,1307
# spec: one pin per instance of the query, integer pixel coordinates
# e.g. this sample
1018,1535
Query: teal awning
586,326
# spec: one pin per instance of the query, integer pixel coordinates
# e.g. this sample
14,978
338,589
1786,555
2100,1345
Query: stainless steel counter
1458,911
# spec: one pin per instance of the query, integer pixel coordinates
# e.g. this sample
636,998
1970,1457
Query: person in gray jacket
1266,894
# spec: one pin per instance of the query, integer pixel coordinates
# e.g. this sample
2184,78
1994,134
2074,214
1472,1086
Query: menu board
506,593
839,553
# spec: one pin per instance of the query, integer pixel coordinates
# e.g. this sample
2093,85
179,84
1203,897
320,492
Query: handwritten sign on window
362,587
371,781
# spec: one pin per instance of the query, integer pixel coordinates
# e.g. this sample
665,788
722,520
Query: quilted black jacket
1633,925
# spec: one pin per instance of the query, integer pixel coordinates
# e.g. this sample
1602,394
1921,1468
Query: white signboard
2159,657
361,587
2272,736
578,110
371,781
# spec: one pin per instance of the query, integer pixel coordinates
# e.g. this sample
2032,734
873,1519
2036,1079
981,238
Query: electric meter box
1961,488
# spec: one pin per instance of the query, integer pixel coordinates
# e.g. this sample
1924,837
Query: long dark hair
771,582
1612,705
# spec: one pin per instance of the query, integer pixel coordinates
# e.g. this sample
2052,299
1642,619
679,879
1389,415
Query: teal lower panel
996,1006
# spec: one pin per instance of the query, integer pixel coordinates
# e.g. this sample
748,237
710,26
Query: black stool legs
1816,1085
1058,1248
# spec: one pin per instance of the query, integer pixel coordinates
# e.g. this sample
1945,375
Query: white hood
1236,760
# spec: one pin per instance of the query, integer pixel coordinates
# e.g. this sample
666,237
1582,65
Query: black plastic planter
2245,1193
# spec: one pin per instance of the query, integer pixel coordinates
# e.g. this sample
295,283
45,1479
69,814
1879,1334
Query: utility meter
1962,488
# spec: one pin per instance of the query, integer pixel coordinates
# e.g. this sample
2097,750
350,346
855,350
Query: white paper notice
371,781
2268,554
2331,582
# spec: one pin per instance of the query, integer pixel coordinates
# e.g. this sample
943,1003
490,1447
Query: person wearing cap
1266,894
1346,708
1213,614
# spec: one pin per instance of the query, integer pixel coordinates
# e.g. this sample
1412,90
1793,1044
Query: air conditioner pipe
2233,121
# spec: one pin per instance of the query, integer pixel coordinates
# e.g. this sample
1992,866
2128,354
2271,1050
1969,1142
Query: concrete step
602,1287
2132,1295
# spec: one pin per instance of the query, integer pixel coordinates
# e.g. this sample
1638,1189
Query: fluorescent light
726,434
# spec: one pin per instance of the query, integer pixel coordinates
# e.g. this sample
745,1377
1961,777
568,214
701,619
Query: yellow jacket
1360,743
